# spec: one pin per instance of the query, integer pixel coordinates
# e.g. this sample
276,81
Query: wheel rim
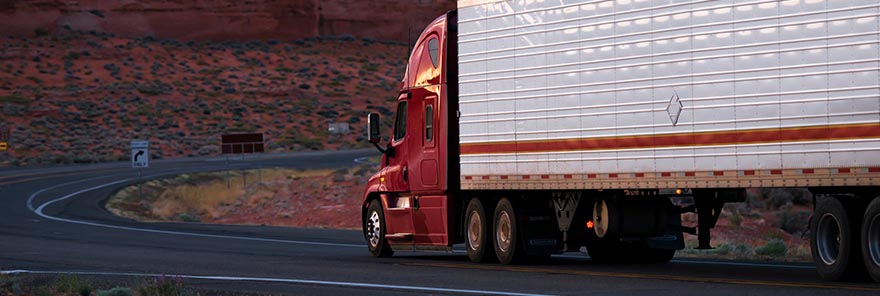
828,239
475,230
874,239
503,232
373,229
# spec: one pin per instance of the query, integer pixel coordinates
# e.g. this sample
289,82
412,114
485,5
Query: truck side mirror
373,134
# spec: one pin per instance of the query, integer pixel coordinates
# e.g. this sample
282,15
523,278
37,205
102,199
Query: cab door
430,209
399,201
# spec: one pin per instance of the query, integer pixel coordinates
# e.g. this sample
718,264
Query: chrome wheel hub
503,232
373,229
475,231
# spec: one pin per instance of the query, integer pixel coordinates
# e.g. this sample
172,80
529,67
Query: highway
52,221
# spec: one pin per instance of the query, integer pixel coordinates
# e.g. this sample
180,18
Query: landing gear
374,231
478,241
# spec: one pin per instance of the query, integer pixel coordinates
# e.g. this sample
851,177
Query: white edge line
281,280
39,212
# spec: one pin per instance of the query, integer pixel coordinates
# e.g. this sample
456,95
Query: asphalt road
52,221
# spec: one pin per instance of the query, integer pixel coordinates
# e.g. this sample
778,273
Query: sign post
140,159
242,144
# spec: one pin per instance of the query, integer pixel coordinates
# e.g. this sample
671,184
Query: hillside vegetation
76,96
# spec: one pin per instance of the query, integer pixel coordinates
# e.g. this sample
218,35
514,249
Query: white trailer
669,94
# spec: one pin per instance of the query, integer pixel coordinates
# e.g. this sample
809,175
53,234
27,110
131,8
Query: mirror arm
380,148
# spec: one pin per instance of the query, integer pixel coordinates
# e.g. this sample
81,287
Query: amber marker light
677,191
590,225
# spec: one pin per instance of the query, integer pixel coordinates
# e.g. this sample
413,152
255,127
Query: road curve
52,221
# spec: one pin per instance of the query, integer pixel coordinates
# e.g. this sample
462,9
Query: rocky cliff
224,19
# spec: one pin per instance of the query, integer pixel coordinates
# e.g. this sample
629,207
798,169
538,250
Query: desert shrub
17,99
13,109
9,285
208,150
72,284
162,286
736,219
791,221
774,248
185,217
777,197
118,291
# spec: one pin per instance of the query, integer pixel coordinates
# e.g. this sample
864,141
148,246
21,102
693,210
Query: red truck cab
410,195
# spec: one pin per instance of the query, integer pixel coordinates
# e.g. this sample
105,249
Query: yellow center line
647,276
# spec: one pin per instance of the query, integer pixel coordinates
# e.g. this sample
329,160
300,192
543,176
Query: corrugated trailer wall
669,94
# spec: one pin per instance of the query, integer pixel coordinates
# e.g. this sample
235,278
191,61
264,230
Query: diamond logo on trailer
674,108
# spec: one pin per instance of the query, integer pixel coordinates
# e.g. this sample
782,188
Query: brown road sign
242,143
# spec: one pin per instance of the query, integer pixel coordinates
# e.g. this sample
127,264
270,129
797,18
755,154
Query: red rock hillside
224,19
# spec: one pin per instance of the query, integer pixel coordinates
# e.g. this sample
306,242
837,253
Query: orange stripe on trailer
754,136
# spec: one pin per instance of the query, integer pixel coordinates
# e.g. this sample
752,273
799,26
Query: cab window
434,51
429,123
400,122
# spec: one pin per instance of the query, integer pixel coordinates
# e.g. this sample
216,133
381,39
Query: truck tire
477,235
507,248
871,239
834,237
374,231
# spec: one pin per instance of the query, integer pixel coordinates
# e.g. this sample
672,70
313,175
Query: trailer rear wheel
374,231
507,247
871,239
478,242
833,240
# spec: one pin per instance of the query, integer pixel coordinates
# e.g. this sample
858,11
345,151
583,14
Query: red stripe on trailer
808,171
874,170
689,174
503,177
468,177
545,177
525,177
485,177
612,175
591,176
640,175
717,173
776,172
566,176
844,171
748,173
665,174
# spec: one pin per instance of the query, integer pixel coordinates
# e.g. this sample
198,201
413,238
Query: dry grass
286,197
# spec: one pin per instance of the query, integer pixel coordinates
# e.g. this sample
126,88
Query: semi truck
529,128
